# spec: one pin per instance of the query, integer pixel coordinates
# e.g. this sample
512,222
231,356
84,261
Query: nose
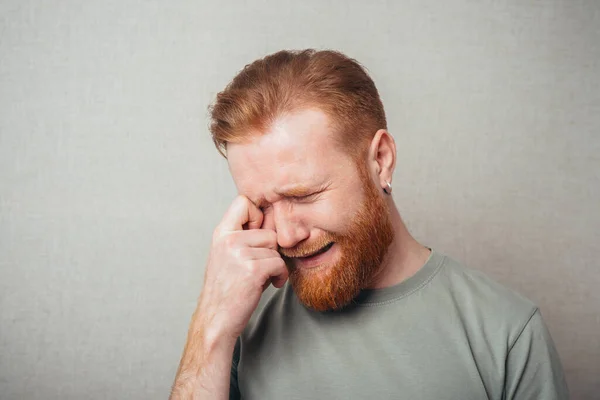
289,227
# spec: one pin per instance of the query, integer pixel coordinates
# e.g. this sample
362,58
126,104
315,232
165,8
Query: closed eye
306,197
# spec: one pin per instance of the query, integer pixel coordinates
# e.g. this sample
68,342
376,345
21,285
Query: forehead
298,149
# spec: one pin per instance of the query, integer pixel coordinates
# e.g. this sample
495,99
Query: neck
404,257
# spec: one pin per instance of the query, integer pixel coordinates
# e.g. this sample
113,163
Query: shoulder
482,300
477,284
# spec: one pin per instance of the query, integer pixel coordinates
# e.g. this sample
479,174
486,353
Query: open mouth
318,252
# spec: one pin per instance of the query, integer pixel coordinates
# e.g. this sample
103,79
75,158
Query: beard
362,247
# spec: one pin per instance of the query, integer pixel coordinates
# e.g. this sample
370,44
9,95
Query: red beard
363,247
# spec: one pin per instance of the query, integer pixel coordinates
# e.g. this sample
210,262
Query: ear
382,157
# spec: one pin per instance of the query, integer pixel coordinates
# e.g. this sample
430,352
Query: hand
241,264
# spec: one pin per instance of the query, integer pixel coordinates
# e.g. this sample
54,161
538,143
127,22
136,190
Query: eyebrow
297,191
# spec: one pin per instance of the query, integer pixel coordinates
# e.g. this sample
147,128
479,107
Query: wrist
216,340
213,335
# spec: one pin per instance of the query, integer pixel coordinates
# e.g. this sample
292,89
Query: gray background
110,186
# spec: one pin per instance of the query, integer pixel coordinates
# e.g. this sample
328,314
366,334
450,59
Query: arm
533,368
241,264
205,367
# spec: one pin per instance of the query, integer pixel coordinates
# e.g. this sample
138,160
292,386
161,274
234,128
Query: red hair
291,80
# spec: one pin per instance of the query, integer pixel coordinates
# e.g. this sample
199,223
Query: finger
255,238
260,253
276,269
276,282
241,211
279,281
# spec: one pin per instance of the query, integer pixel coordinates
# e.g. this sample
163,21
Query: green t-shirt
447,332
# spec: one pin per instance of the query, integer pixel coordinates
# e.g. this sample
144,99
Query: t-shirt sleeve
533,368
234,390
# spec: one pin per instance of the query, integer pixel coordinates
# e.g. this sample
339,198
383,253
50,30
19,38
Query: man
368,312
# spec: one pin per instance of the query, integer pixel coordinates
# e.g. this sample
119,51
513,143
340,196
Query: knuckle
272,238
253,267
280,263
273,253
243,253
234,254
229,240
241,200
225,242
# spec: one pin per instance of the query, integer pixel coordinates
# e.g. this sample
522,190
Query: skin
295,184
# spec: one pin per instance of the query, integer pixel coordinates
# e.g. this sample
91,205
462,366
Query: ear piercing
388,189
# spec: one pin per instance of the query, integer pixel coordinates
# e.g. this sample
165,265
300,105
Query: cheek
333,214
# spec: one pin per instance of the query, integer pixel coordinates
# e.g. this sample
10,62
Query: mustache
305,249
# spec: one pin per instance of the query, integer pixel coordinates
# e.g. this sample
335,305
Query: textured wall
110,186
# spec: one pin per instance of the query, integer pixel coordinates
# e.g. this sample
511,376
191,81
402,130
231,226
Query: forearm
242,259
205,367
